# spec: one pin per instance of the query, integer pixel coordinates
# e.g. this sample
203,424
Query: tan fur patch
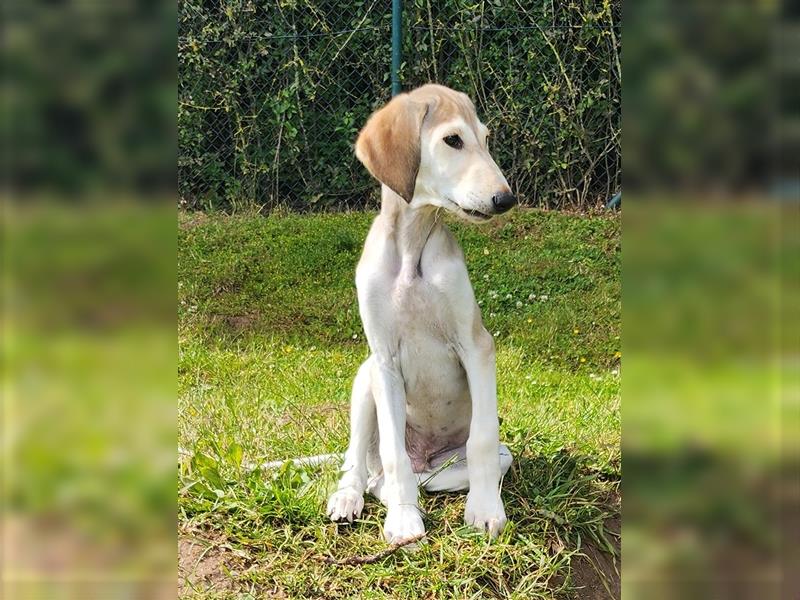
389,144
446,104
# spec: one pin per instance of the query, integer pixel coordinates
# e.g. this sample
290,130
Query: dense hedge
273,94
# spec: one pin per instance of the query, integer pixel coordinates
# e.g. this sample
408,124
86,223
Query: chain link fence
272,95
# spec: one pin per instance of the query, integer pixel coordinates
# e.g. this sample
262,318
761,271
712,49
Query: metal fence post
397,44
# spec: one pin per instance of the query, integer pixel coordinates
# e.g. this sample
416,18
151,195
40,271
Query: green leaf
235,454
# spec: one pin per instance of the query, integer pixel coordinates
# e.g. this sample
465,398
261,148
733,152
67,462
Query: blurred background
710,378
88,297
710,297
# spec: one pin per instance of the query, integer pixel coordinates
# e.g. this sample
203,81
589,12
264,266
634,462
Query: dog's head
429,147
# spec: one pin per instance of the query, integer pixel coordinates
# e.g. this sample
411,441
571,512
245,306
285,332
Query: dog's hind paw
345,505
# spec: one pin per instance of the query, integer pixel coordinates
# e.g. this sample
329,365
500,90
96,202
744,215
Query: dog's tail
303,461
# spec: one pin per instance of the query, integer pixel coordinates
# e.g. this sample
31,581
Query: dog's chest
428,339
430,308
422,303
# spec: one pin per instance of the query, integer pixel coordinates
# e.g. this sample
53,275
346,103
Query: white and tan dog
424,404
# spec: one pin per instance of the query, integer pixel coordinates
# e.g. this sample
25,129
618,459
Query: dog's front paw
485,512
403,523
345,504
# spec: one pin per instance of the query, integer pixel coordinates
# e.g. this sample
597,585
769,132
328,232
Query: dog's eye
454,141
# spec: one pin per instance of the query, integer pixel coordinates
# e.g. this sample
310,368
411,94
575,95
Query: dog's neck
412,228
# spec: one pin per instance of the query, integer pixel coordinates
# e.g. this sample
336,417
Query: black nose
503,202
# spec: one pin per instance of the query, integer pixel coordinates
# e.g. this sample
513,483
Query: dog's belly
438,408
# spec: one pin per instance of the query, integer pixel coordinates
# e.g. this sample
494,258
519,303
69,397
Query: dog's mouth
475,214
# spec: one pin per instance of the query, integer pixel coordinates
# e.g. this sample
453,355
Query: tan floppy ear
389,144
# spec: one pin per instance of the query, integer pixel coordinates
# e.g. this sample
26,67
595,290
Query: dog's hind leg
347,501
448,472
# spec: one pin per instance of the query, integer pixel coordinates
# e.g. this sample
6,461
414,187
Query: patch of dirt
597,575
208,567
202,566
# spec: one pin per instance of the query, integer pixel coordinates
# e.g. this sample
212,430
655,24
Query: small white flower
480,302
519,304
486,277
493,315
496,333
532,297
508,296
355,336
544,297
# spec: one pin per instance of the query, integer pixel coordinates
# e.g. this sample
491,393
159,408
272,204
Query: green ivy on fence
272,95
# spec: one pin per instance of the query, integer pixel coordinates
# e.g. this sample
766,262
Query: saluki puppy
424,404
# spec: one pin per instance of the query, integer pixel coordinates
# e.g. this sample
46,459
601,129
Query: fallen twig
371,558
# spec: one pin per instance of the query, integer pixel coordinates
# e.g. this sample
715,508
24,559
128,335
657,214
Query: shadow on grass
565,502
561,506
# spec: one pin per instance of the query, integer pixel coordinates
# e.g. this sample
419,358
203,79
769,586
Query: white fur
426,396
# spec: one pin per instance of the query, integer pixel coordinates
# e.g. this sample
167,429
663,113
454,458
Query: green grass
270,340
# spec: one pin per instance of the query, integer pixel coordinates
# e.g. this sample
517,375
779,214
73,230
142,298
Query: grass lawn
270,340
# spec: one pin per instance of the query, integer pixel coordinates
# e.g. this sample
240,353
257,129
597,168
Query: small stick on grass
371,558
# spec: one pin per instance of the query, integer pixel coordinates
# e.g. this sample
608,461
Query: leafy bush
272,95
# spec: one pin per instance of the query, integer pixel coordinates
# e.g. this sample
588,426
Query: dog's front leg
348,500
403,518
484,508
